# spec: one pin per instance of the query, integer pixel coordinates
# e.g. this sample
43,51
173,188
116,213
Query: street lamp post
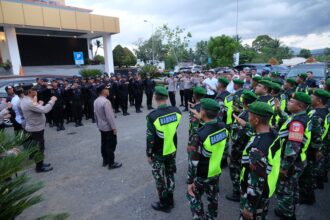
152,41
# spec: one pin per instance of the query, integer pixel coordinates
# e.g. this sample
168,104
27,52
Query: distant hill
315,52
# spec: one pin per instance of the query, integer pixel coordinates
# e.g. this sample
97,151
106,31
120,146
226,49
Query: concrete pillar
12,45
90,52
108,56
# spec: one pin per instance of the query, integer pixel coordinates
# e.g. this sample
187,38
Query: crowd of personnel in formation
274,132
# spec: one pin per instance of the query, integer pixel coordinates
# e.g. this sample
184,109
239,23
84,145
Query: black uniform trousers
182,96
187,97
77,112
172,98
58,115
123,103
37,138
138,100
108,146
149,95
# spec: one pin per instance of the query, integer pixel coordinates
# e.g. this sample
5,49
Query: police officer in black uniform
57,111
149,87
138,93
123,94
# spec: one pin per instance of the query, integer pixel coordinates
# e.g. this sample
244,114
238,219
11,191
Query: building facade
42,33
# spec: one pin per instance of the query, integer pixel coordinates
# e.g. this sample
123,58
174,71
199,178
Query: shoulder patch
218,137
329,119
168,119
296,131
229,98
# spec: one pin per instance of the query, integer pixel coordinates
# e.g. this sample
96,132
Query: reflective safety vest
273,164
214,138
228,103
166,126
326,126
284,133
282,107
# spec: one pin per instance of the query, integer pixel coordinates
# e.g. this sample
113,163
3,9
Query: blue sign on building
209,61
78,58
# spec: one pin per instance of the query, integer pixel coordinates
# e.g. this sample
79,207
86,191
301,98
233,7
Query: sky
297,23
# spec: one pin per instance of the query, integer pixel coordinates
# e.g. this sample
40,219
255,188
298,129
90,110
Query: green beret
223,80
276,87
303,76
249,96
160,90
328,82
291,81
210,104
275,74
267,78
261,108
266,83
238,81
321,93
257,78
278,81
302,97
199,90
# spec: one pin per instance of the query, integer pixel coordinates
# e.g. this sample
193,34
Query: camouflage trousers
210,186
163,172
228,143
261,209
323,166
288,193
235,167
306,182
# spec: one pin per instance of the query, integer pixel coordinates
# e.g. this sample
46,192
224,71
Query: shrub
90,72
98,59
151,70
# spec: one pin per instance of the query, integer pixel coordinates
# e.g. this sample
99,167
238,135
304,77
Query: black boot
161,206
62,127
224,163
170,200
319,183
234,197
307,200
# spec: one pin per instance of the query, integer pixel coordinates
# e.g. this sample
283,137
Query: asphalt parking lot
80,186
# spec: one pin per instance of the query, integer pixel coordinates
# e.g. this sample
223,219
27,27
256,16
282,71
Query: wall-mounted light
2,36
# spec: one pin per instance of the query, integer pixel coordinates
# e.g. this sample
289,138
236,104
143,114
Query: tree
247,54
201,53
305,53
97,44
16,189
130,59
221,50
175,41
261,42
119,56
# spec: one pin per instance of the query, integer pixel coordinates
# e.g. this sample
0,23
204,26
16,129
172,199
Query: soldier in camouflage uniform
307,180
241,134
263,90
295,137
322,113
237,96
260,164
162,124
195,123
301,81
255,81
205,152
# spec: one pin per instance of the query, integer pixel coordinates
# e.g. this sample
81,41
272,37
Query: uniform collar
162,106
300,113
214,121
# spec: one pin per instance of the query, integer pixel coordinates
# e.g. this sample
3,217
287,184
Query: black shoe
93,121
160,207
307,200
151,107
234,197
58,128
115,165
76,125
80,124
138,111
185,110
44,169
62,128
181,105
104,164
319,183
51,125
46,164
325,178
170,200
117,111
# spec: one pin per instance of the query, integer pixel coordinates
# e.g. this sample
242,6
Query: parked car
283,70
259,66
318,69
19,80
